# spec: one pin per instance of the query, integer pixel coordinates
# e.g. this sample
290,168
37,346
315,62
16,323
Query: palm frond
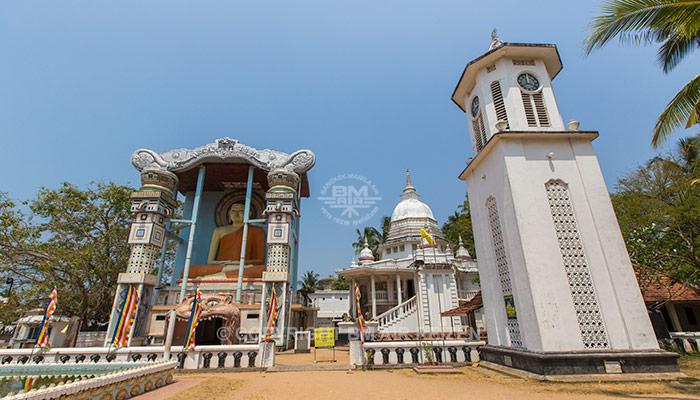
640,20
675,48
683,109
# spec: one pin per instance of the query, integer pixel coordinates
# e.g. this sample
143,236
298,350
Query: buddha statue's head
235,213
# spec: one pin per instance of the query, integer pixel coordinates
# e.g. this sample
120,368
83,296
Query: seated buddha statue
225,249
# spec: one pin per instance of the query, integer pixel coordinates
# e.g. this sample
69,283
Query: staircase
403,314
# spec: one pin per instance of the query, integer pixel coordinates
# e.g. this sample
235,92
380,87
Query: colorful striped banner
43,339
360,319
126,317
194,320
271,316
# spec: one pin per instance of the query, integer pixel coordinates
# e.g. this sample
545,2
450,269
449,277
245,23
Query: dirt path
474,383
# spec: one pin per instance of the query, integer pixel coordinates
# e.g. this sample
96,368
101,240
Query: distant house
28,326
325,283
679,304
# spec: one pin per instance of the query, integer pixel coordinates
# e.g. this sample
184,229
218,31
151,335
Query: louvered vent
497,95
477,135
483,129
529,112
541,109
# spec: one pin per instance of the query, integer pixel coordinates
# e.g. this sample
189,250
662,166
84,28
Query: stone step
436,369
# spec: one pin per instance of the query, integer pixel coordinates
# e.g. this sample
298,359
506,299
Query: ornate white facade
413,283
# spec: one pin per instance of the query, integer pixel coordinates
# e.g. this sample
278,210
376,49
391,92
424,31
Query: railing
397,312
454,352
381,295
202,357
684,342
466,294
117,384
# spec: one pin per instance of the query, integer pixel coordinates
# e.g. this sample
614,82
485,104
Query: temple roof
227,163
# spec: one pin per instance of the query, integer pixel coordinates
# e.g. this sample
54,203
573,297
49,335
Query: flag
194,320
125,321
271,316
360,319
424,235
29,382
43,339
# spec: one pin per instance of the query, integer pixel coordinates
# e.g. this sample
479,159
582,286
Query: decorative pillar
282,211
152,206
374,296
398,288
353,300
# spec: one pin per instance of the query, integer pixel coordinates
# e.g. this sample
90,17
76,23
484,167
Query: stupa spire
409,192
366,253
462,252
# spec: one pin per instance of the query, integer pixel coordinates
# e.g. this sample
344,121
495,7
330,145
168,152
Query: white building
555,272
331,304
413,283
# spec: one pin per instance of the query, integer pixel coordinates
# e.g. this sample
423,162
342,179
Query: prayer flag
43,339
271,316
125,322
360,319
424,235
194,319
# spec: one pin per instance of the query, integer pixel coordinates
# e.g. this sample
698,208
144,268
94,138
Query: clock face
475,106
528,82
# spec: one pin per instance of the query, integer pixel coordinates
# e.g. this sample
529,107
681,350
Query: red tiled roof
660,292
472,305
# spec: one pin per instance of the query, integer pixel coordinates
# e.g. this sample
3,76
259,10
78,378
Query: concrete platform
629,377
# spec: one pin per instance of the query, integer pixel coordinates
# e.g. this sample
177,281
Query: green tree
386,224
673,23
74,239
374,239
340,283
308,282
658,208
460,223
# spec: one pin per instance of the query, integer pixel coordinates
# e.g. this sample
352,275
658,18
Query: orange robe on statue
230,250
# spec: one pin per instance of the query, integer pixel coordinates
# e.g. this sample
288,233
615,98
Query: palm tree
308,282
673,23
386,224
374,239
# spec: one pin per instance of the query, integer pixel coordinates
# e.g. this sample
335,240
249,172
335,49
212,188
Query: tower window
497,95
478,124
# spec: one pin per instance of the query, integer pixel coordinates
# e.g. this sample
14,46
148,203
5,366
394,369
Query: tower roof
547,52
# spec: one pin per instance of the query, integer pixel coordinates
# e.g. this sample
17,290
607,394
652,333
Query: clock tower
560,295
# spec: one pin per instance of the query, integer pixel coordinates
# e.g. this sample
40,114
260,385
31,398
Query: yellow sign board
324,337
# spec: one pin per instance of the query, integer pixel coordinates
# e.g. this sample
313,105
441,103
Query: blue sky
366,85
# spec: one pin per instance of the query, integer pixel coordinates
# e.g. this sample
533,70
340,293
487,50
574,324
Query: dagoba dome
409,216
410,206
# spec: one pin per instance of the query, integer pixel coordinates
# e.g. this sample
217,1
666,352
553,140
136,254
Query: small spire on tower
495,41
462,252
366,253
409,192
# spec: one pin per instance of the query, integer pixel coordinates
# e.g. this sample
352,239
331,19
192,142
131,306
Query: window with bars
535,109
499,104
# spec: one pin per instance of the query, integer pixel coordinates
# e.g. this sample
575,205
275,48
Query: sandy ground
473,383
